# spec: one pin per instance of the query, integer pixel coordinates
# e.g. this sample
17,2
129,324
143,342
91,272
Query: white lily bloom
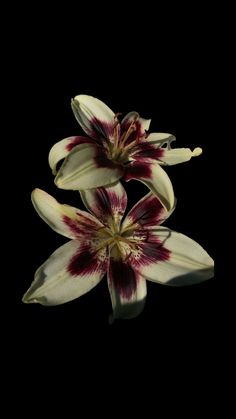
130,250
115,150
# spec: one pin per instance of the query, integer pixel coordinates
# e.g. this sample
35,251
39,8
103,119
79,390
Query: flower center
119,150
126,241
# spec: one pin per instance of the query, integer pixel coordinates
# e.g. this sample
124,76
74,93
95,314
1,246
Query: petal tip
58,181
36,193
27,298
212,267
74,99
74,104
81,98
39,195
197,151
24,299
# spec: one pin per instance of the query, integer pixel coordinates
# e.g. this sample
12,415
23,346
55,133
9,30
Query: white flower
130,251
115,150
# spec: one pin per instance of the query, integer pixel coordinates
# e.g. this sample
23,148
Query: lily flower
130,251
115,150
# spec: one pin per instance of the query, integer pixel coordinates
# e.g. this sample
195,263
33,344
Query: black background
164,72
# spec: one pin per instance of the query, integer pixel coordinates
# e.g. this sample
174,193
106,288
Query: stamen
127,241
116,131
130,227
119,247
117,115
104,231
127,134
130,145
116,239
104,244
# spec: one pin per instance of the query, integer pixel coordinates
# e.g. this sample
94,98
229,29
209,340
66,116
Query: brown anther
115,124
117,115
127,134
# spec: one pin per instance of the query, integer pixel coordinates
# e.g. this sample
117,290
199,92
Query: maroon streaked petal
141,126
151,250
83,225
160,139
138,170
177,261
128,120
86,167
102,129
149,172
101,160
148,212
168,155
96,118
64,219
87,261
127,288
147,150
74,141
106,203
71,271
61,149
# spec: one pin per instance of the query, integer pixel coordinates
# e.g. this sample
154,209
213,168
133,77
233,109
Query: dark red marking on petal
138,170
149,151
118,203
134,135
85,262
155,253
73,225
149,211
101,160
82,226
78,140
108,202
152,251
103,200
123,278
101,129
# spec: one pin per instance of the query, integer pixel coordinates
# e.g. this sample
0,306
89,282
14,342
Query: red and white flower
115,150
130,251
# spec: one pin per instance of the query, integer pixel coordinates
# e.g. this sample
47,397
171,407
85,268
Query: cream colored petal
71,271
87,167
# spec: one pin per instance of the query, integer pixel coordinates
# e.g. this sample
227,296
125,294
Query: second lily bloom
115,150
129,249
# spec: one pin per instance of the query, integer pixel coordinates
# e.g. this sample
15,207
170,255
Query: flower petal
64,219
147,213
172,258
61,149
147,150
156,179
160,138
106,203
71,271
142,125
151,147
127,288
178,155
96,118
87,167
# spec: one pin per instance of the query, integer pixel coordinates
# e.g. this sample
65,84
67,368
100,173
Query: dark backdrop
166,80
174,107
